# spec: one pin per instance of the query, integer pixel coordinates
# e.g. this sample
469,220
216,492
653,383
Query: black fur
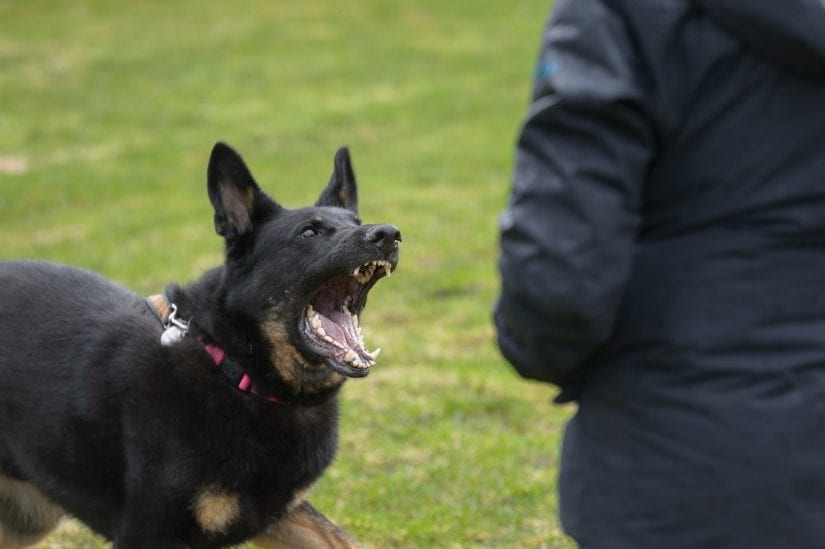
122,432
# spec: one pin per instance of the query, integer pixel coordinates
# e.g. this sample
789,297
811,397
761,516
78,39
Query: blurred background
108,112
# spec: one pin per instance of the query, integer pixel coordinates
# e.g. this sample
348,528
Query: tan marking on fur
298,499
284,356
215,509
26,514
289,362
305,527
238,205
161,306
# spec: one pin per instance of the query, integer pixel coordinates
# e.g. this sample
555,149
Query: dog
200,417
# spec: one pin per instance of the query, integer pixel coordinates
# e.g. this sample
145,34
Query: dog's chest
241,496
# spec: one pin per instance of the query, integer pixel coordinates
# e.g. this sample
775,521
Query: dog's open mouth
331,325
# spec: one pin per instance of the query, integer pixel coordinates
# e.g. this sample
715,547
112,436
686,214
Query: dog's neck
203,304
176,329
234,373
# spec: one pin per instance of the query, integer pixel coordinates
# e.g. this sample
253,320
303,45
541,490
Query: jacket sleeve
568,233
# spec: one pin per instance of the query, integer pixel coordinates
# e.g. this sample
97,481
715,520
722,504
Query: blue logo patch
546,69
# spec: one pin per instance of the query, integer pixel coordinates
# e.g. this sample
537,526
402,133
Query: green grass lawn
108,111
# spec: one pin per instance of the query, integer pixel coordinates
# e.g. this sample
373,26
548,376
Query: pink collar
234,372
176,329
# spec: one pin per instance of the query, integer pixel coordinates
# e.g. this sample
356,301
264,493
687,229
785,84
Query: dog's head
300,276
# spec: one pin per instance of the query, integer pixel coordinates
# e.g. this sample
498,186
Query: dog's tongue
340,326
343,336
335,327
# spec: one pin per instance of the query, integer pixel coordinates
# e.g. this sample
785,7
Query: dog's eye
309,232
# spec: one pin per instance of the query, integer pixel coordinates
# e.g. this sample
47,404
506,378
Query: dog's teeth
315,321
329,339
362,273
350,356
365,272
374,355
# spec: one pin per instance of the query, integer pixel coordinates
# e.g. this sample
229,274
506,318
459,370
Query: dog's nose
386,236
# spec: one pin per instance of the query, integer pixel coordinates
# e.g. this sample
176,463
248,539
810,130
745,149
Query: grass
109,113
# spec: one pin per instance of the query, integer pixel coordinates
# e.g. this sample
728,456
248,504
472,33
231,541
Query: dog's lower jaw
301,376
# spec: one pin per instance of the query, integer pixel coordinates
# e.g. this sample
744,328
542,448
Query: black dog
199,419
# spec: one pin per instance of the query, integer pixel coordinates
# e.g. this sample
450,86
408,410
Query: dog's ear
236,198
341,191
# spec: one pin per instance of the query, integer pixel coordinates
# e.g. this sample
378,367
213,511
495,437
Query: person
662,261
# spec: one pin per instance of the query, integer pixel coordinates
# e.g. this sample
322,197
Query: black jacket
663,261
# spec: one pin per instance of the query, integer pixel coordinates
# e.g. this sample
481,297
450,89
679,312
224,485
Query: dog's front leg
305,527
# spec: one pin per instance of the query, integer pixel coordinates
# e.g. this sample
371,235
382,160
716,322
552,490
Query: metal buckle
175,328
